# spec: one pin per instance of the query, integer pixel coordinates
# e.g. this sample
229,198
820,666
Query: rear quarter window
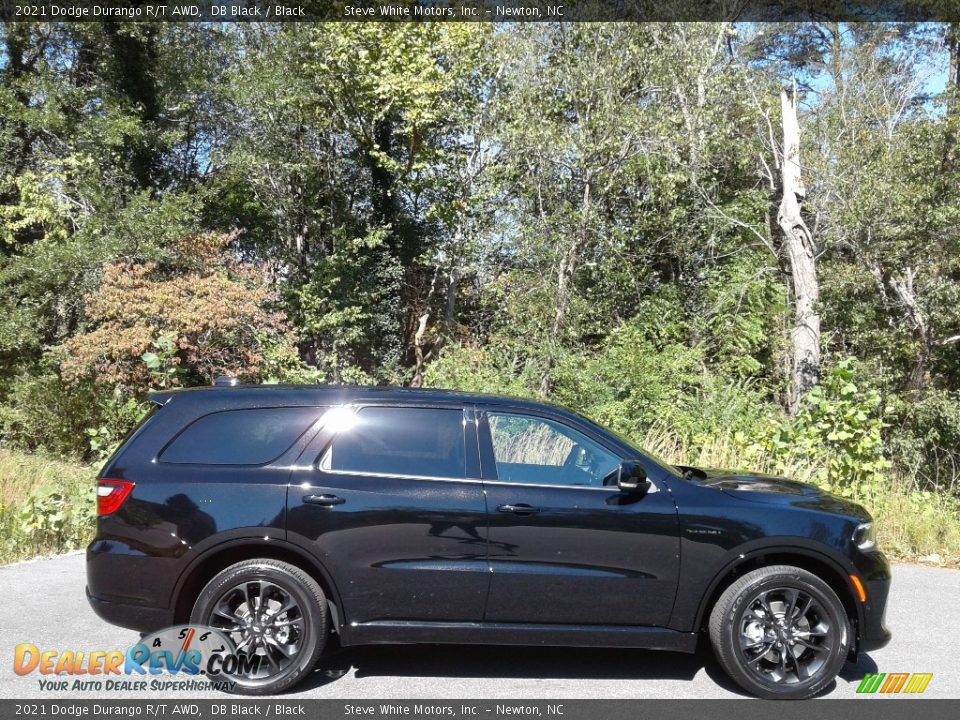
240,437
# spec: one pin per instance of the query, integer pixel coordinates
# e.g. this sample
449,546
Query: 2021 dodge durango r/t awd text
281,514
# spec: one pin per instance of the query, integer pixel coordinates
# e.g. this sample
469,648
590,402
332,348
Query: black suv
280,514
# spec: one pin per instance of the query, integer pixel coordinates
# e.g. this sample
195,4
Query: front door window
538,451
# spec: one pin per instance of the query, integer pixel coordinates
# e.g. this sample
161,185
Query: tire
754,614
281,616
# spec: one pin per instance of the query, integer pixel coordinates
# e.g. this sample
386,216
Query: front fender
701,591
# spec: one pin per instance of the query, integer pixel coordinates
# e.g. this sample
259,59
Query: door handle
519,509
324,500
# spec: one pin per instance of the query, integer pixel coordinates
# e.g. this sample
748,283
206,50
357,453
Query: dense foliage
582,213
151,327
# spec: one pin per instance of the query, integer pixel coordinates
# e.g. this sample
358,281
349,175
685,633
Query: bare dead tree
799,247
417,380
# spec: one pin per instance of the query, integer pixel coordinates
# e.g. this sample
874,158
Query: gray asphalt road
43,603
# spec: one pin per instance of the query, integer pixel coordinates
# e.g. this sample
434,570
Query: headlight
864,536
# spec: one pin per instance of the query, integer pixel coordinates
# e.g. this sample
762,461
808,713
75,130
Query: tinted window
240,437
401,441
543,452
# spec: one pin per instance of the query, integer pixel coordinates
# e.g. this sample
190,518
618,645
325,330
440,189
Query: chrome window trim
434,478
604,488
439,478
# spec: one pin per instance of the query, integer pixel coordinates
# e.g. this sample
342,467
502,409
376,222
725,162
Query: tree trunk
798,242
418,350
953,48
903,287
453,284
565,273
953,98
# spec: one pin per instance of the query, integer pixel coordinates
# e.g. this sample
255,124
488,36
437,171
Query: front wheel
780,632
274,612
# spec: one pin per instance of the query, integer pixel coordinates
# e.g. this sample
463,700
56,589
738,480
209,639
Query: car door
389,500
566,546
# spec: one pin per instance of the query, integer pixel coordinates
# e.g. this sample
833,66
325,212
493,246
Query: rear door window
420,442
240,437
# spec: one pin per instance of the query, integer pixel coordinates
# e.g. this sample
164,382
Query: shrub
839,430
79,420
46,505
490,370
159,326
926,440
40,412
57,518
645,377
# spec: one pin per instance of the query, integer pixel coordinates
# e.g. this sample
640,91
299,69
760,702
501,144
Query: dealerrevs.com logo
894,683
183,651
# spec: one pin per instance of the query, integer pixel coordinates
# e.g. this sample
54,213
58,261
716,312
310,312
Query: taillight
111,494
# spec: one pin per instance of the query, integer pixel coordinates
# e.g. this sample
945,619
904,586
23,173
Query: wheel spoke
228,616
807,605
285,623
766,605
761,649
802,671
249,599
262,603
809,645
279,648
288,605
270,658
791,596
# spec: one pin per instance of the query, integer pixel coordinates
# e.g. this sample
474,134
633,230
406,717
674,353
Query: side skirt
380,632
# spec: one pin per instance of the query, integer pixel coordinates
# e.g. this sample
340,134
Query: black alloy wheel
780,632
273,611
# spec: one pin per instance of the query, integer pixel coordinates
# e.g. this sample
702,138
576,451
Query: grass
722,452
915,525
46,505
20,473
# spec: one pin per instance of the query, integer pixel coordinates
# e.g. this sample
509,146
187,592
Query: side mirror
632,477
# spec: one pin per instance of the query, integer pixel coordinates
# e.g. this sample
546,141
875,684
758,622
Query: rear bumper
136,617
127,587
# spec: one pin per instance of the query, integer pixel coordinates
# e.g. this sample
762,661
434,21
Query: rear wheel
273,611
780,632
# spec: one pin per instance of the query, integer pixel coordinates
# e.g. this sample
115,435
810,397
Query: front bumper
874,633
874,572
